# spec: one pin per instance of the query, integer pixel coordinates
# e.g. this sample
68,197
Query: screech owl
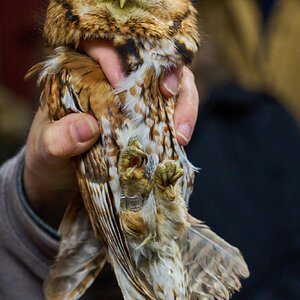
136,180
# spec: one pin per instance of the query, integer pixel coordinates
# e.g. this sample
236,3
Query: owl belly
152,211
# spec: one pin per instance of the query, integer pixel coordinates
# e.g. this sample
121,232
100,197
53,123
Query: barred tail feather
80,258
214,267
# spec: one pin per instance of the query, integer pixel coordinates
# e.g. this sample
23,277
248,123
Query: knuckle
56,143
49,144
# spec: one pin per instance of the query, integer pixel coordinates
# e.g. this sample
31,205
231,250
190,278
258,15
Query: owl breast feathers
136,180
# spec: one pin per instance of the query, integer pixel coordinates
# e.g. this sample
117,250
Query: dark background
20,43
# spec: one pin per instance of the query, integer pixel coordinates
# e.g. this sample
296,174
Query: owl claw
165,177
171,208
132,175
131,161
132,156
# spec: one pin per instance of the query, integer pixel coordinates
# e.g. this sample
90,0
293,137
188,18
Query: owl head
68,22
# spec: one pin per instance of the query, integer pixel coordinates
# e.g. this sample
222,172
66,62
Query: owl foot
131,159
171,208
165,178
135,184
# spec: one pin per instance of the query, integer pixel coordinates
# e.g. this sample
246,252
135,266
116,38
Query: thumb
70,136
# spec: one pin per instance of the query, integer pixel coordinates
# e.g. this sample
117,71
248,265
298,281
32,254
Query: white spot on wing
68,101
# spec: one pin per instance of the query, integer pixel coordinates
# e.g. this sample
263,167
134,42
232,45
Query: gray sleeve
27,245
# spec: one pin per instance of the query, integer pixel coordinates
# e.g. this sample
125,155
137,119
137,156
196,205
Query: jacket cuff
23,199
31,239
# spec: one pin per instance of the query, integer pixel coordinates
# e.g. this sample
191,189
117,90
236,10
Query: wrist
45,198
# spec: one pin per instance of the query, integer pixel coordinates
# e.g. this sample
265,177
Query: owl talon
165,177
133,179
129,174
131,161
132,156
133,173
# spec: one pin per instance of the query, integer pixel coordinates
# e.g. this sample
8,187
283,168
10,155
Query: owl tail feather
129,291
214,267
80,257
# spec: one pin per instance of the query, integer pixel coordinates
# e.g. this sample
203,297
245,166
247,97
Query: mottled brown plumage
136,180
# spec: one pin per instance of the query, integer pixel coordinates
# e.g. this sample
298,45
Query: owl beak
122,3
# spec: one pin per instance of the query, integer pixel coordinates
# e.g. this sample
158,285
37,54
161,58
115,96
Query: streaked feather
80,258
214,267
61,74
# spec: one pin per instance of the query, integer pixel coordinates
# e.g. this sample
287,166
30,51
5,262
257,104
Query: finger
68,137
169,82
102,51
186,109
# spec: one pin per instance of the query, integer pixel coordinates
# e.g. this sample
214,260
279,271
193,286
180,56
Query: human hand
49,177
186,110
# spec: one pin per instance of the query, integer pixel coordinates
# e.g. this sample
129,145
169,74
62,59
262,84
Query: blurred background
21,45
247,139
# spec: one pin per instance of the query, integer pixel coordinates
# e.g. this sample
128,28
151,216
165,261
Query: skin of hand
49,176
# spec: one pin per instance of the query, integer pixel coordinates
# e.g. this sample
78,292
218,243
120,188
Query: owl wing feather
102,213
214,266
75,83
80,258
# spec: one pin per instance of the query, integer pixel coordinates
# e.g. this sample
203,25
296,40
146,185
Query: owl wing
214,267
80,258
75,83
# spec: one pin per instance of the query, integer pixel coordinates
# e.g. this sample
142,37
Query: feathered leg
135,184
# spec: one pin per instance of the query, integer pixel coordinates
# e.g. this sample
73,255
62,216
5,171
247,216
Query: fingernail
82,130
171,83
184,131
170,90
